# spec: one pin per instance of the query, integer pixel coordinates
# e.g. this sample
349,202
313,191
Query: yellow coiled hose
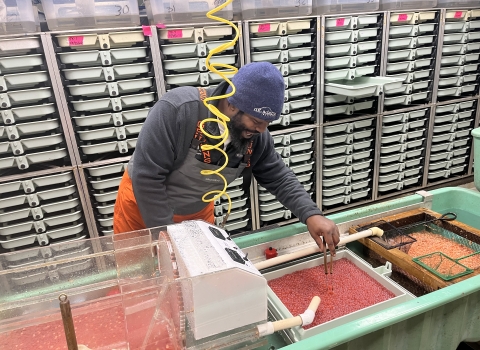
221,118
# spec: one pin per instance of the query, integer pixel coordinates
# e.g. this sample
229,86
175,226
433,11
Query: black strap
247,179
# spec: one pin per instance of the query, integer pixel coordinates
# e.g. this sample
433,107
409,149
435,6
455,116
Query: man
163,184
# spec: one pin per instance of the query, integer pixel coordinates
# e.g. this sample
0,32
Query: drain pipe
301,320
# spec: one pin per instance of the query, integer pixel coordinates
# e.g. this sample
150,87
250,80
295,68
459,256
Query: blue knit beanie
260,91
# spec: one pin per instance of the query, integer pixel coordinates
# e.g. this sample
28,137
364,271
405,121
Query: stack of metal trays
30,127
348,154
402,152
451,140
412,46
351,53
240,213
297,151
290,47
38,211
460,64
110,87
103,182
68,247
184,52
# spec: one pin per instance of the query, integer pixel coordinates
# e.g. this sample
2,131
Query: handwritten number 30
122,10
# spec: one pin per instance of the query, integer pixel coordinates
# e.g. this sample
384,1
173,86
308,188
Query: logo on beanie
265,111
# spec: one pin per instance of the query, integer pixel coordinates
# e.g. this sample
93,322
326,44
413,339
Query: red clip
270,253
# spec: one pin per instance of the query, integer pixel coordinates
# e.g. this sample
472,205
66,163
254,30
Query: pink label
147,30
265,27
402,17
75,40
161,26
340,22
458,14
174,34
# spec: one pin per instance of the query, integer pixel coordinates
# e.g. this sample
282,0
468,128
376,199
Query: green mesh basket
442,265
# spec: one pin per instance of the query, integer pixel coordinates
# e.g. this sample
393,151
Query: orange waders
127,217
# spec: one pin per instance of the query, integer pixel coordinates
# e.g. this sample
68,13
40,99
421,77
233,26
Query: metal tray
196,64
105,197
19,64
280,42
93,74
456,27
280,28
295,80
19,46
351,73
38,213
279,214
351,36
237,203
348,109
410,17
455,49
103,41
350,48
363,86
115,104
350,22
114,146
348,127
19,97
473,47
18,114
297,104
452,60
119,133
14,132
103,58
116,119
455,38
22,80
112,88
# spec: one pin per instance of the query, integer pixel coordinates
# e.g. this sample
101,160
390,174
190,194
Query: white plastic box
386,5
83,14
457,3
18,16
344,6
184,11
275,8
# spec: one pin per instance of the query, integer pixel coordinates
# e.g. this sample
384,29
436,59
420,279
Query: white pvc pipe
301,320
374,231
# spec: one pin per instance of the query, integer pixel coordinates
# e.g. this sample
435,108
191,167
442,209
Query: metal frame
384,53
378,148
87,210
428,146
476,123
438,59
60,98
321,66
78,167
157,62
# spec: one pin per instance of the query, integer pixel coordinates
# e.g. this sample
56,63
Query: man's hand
319,226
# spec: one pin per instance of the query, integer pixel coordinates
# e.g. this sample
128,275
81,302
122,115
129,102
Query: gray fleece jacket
164,142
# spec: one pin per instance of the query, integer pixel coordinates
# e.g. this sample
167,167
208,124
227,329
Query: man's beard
236,128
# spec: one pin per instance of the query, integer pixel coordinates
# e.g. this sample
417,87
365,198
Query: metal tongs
328,266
